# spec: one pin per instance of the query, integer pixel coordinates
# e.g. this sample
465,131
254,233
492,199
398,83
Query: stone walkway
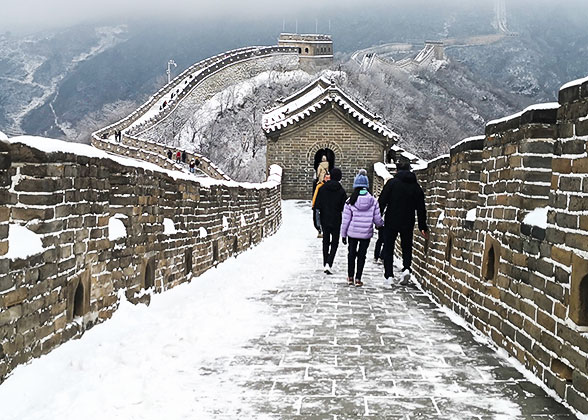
377,352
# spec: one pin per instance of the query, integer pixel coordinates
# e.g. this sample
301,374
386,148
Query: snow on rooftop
576,82
3,136
323,92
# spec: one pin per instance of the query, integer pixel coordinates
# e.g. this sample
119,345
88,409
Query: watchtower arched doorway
318,158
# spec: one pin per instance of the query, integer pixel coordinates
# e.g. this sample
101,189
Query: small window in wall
215,251
79,306
149,280
188,261
491,259
449,248
299,50
235,245
306,50
490,266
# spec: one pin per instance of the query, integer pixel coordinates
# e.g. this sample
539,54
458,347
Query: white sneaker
328,269
404,277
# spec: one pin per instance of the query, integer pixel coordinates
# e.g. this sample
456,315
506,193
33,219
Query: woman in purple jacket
359,215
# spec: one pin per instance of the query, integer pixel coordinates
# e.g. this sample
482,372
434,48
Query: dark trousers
330,244
378,252
316,219
357,249
405,244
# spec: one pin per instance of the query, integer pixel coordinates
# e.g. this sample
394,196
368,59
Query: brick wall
295,148
522,283
68,201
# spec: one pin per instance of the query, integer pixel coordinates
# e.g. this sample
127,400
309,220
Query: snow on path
144,363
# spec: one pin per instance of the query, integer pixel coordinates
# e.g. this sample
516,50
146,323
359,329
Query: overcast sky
28,15
16,15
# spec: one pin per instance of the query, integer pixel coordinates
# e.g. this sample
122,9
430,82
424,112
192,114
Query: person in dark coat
330,201
400,198
169,154
184,156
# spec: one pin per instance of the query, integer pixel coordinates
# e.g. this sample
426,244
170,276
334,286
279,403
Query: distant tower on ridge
315,50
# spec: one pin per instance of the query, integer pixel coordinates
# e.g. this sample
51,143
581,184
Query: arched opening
149,280
449,248
188,261
214,251
490,264
583,303
299,50
78,309
318,157
306,50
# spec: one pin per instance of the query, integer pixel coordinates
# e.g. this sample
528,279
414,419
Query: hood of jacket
406,176
364,202
332,185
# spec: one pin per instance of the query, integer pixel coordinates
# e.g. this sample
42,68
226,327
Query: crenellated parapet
508,248
80,228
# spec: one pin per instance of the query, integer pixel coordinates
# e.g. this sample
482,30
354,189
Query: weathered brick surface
534,302
68,202
295,148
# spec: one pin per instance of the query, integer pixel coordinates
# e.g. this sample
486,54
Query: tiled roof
312,98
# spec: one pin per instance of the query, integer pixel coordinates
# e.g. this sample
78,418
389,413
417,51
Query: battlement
508,247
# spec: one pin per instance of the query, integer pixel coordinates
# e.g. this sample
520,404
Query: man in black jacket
401,196
330,200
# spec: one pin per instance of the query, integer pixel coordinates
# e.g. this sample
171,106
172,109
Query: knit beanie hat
361,180
336,174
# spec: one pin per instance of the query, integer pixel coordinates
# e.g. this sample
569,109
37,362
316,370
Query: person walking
192,165
178,156
400,198
316,215
184,156
360,213
322,169
169,154
330,201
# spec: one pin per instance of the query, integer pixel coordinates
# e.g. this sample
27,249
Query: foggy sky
17,15
32,15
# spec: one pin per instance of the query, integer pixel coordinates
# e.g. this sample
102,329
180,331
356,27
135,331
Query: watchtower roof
311,99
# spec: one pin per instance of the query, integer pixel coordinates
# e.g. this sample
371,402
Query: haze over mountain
66,82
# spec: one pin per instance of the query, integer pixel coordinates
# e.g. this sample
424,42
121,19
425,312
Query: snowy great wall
508,213
508,251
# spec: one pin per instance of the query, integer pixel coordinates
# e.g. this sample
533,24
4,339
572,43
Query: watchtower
315,51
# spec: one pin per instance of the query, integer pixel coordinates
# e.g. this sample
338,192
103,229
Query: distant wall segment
100,223
508,248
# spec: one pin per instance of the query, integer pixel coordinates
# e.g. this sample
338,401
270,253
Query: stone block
578,311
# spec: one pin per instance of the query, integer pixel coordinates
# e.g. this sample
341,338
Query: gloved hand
344,240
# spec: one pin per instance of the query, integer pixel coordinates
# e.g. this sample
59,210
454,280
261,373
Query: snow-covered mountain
68,83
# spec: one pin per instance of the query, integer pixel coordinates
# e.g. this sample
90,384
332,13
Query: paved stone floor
377,352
